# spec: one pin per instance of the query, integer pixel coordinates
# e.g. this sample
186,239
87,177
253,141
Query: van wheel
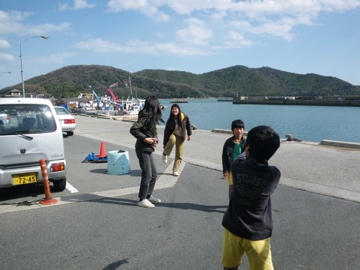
60,185
70,133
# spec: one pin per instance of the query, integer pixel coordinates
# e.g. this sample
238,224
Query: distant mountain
70,81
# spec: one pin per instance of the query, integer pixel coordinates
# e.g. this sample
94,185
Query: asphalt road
97,225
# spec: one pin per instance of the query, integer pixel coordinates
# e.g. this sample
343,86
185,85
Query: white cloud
249,7
218,24
146,7
272,18
11,22
196,33
234,40
4,44
98,45
58,58
78,4
42,29
282,28
138,46
7,57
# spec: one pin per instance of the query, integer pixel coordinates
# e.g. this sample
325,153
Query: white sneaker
145,203
152,199
176,174
164,158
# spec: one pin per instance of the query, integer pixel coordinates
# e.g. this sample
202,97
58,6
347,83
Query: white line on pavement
71,188
166,180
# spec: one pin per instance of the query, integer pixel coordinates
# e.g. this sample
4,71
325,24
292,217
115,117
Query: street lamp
22,72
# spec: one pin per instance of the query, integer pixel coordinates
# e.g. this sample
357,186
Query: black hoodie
249,212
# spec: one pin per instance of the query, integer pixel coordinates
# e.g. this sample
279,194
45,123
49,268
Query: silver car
33,133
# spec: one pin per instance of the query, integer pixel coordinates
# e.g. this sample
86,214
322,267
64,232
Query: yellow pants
230,178
230,183
258,252
178,142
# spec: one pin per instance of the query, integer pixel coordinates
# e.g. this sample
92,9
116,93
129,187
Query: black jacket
170,127
227,153
144,127
249,213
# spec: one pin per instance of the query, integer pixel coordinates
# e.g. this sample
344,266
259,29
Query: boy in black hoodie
248,219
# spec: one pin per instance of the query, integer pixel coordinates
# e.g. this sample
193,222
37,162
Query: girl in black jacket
176,128
145,132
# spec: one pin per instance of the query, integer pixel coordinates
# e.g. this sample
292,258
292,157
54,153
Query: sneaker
164,158
176,174
152,199
145,203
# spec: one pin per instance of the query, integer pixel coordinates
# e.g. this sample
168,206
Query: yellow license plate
24,178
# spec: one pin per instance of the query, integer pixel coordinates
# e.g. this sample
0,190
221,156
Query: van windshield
26,119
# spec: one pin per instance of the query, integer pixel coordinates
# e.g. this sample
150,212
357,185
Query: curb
225,131
340,144
323,142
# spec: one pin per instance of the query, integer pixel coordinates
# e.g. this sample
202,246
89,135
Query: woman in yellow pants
175,131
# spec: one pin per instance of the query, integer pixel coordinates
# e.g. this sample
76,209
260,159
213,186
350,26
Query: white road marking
166,180
71,188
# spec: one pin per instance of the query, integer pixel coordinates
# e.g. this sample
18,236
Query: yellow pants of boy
258,252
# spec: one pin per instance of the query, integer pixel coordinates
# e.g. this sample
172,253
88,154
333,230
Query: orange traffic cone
102,150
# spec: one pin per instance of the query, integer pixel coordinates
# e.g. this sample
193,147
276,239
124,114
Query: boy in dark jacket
248,219
232,148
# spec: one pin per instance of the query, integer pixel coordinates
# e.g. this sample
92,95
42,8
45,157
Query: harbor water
307,123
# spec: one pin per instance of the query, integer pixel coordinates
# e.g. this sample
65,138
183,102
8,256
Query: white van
34,133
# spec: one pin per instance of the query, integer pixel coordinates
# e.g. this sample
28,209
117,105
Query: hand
151,140
189,138
154,142
225,175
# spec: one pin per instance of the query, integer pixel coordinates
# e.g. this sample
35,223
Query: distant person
145,132
232,148
248,220
175,131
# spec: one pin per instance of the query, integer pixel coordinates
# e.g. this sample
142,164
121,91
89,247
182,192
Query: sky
197,36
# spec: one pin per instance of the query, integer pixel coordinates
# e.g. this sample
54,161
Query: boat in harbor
179,101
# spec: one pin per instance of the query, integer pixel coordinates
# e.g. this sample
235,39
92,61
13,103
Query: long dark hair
152,109
171,114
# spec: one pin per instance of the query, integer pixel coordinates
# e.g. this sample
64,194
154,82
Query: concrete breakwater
319,102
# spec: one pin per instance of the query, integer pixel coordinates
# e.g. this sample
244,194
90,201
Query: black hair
263,142
152,109
176,106
237,124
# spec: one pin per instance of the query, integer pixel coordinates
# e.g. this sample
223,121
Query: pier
315,208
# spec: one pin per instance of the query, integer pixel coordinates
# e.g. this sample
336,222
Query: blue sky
299,36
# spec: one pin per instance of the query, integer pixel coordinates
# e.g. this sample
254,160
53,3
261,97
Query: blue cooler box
118,162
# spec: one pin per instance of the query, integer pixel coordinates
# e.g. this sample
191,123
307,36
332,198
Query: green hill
70,81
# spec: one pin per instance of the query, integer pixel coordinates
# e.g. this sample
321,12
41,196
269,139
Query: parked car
33,134
4,118
67,120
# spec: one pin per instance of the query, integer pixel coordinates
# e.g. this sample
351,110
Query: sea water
308,123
